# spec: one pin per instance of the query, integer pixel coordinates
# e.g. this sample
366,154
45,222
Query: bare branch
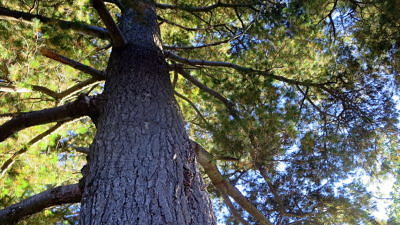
83,28
279,202
207,162
78,87
56,196
197,62
117,38
8,163
13,89
58,96
99,75
45,91
82,106
203,8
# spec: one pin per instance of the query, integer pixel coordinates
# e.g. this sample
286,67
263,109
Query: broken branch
74,64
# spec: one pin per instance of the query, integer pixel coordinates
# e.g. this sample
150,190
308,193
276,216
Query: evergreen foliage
308,105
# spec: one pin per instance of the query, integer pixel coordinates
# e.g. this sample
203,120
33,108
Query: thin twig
210,91
193,106
8,163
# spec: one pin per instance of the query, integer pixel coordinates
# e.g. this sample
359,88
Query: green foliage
290,147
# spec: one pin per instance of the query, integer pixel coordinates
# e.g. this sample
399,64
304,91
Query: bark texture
141,166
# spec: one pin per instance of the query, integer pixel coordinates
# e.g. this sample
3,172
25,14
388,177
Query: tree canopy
290,102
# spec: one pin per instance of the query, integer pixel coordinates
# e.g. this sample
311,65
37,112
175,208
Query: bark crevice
141,167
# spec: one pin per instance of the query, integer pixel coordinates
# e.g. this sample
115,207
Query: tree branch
198,46
83,28
189,28
99,75
207,45
207,162
197,62
193,106
83,150
13,89
51,93
45,91
313,104
13,114
232,209
279,202
56,196
210,91
203,8
82,106
117,38
78,87
8,163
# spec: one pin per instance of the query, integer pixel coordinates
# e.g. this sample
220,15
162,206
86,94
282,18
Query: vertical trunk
141,168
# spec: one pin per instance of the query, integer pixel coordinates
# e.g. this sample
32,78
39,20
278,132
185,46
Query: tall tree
287,105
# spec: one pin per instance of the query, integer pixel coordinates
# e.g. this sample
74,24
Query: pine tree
287,104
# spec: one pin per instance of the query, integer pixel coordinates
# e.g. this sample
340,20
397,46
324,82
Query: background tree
288,105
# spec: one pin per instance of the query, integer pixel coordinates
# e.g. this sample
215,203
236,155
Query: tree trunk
141,167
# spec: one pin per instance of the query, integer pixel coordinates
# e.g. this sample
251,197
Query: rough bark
141,167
